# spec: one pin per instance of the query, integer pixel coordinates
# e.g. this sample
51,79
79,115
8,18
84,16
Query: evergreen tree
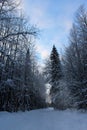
27,68
55,72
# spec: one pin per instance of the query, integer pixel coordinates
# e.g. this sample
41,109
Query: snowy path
43,119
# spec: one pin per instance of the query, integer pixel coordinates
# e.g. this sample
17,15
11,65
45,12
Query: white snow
43,119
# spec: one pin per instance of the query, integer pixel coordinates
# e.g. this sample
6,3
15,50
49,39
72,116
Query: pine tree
27,68
56,72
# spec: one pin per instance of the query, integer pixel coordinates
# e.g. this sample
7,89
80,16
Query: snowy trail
43,119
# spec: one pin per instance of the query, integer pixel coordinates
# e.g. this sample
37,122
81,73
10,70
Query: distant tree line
68,75
21,85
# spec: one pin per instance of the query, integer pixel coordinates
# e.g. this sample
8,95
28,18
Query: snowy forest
22,85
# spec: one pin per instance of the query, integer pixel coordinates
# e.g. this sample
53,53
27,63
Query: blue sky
54,18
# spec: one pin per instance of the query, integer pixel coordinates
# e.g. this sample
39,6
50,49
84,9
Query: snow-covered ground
43,119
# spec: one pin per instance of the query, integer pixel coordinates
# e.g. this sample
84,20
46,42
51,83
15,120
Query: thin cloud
55,18
44,53
38,14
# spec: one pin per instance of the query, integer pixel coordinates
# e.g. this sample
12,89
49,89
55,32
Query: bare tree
18,80
76,59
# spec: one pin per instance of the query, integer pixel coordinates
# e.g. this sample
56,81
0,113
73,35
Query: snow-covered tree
62,99
18,81
53,74
55,69
76,60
